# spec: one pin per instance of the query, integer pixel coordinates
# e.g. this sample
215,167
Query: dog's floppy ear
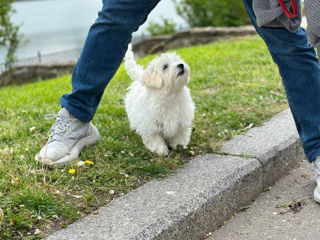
152,78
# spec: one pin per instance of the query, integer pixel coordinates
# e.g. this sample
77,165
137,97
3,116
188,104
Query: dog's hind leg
156,144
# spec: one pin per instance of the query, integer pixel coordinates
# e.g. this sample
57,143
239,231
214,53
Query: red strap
286,10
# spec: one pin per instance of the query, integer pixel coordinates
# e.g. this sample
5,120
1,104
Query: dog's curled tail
133,69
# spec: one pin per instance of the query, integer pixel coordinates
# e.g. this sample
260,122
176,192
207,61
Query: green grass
233,83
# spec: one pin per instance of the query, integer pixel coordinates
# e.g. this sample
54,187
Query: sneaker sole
89,140
316,195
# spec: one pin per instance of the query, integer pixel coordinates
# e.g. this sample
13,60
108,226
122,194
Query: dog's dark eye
165,66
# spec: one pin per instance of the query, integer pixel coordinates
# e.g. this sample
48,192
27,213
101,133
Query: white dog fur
159,104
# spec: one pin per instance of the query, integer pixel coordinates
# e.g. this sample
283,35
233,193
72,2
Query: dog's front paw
173,144
156,144
162,151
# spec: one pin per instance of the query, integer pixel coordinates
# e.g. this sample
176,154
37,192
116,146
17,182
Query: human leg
300,72
101,56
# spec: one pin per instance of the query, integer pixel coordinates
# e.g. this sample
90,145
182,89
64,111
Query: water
58,25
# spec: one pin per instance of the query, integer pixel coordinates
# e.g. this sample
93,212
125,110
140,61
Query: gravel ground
285,211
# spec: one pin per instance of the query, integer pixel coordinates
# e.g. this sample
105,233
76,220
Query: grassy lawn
234,84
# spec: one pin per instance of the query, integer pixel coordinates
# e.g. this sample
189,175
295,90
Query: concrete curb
199,197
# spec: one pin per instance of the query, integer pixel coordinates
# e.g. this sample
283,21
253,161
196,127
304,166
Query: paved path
274,216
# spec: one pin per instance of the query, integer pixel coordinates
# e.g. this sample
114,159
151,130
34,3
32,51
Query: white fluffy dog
159,104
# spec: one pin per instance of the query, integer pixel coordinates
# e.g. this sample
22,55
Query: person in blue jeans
103,52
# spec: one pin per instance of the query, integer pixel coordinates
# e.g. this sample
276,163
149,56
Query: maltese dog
159,104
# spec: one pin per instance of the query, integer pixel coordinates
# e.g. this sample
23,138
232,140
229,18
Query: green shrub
212,12
9,33
167,27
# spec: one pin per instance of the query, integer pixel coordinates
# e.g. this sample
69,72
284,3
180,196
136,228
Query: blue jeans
107,43
103,52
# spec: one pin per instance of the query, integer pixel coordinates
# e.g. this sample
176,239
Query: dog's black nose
181,66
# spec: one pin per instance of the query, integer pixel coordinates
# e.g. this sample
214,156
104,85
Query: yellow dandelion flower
48,135
89,162
72,171
17,179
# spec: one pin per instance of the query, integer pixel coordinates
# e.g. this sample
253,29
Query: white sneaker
67,137
316,193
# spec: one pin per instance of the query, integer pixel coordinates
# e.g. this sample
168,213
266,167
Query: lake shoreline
56,25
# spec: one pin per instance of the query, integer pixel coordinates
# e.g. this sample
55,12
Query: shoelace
58,128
